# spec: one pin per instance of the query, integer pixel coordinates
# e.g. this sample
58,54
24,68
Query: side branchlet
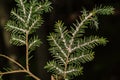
70,48
25,21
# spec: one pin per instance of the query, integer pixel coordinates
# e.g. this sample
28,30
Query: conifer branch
18,40
61,58
88,57
33,25
12,60
62,36
53,66
71,48
23,70
23,7
44,6
71,71
39,7
20,71
27,53
66,66
78,28
29,16
16,28
18,16
57,68
55,42
23,24
84,44
12,72
31,44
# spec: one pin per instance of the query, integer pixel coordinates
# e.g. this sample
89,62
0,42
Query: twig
12,60
77,29
12,72
27,54
18,71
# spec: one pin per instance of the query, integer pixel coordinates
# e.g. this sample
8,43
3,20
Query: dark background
106,64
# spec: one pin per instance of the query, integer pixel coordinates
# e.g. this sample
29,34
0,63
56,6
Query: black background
106,64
